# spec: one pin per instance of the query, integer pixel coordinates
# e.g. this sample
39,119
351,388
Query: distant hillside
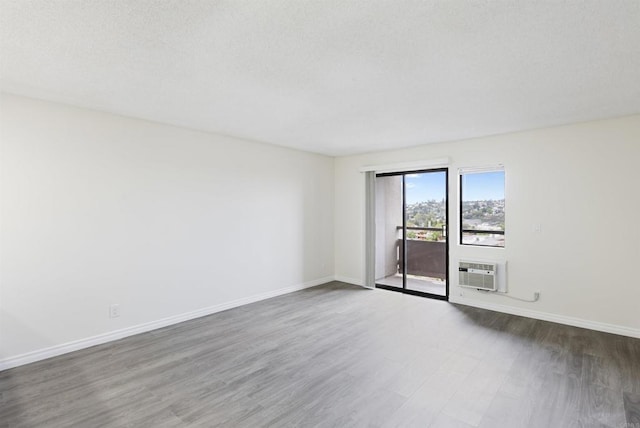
426,214
432,214
487,213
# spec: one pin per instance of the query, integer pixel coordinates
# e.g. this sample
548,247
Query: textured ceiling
333,76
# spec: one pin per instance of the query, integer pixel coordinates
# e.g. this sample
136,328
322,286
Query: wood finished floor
338,356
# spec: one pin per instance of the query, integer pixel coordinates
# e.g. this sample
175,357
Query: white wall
100,209
579,182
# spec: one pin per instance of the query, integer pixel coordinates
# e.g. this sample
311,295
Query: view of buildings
483,215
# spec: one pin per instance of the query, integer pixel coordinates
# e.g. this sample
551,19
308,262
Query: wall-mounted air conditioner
488,276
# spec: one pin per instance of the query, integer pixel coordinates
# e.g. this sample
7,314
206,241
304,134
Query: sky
425,186
479,186
483,186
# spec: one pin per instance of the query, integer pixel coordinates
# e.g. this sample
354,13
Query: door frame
404,234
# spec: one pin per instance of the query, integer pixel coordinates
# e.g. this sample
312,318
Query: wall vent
478,275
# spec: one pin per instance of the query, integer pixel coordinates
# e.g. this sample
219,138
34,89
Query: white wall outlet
537,228
114,311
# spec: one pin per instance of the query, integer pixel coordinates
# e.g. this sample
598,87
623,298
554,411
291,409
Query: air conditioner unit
478,275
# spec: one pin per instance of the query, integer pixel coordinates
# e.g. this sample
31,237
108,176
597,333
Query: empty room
305,213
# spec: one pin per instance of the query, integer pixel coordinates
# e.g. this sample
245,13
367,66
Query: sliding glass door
411,232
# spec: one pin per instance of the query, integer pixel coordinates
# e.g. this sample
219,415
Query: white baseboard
353,281
76,345
545,316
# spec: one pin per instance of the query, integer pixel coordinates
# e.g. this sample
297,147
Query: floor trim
53,351
545,316
353,281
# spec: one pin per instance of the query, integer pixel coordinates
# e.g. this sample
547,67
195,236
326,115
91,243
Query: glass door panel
426,234
389,231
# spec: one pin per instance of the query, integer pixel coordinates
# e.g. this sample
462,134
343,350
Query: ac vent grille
481,276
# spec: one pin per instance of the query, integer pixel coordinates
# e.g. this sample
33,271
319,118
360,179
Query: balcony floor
416,283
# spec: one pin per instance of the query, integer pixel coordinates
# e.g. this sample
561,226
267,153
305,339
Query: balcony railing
426,257
442,230
483,237
483,231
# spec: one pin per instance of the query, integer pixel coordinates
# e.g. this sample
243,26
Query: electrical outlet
114,310
536,295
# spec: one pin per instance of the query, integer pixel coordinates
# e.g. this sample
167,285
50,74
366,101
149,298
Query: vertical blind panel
370,227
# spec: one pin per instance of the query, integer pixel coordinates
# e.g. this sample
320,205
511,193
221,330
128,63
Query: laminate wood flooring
338,356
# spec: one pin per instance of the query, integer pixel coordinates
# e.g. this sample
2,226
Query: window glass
482,208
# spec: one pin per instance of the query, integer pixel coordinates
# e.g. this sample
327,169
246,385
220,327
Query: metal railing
443,229
484,231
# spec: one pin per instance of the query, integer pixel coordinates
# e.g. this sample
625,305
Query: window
482,207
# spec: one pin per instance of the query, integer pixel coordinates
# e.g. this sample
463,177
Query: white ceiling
333,76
